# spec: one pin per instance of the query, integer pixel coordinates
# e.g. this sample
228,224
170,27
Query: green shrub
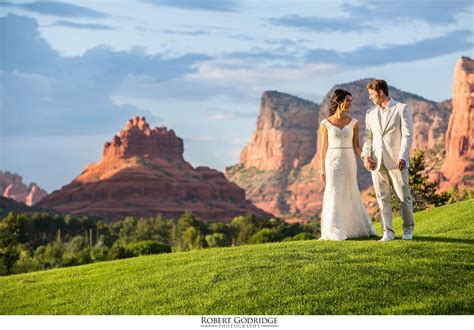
299,237
117,251
146,247
217,239
264,235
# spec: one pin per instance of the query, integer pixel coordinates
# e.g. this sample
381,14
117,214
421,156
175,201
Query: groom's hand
401,164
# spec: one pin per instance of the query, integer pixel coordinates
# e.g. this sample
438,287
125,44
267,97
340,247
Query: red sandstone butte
458,168
285,135
143,173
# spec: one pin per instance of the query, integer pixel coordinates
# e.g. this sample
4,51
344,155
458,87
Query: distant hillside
430,275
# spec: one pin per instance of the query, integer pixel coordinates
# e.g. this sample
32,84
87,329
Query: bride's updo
337,98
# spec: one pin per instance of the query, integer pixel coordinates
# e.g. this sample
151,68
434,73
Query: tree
100,250
245,227
264,235
13,230
423,191
146,248
217,240
8,256
26,262
117,251
299,237
76,252
50,255
192,238
189,232
127,232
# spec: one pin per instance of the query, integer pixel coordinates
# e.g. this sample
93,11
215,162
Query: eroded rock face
12,186
285,137
458,167
137,139
17,192
143,173
35,194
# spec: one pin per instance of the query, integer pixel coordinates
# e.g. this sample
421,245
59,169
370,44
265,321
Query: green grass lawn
433,274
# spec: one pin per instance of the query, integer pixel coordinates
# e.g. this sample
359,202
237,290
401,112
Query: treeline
44,241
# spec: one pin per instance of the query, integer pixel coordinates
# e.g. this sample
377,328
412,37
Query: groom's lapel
390,115
377,120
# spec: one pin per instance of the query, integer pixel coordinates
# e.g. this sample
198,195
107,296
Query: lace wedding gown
344,214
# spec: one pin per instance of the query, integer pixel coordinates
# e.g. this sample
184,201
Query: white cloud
231,72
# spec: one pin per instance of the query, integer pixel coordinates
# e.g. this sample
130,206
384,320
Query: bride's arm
324,149
355,140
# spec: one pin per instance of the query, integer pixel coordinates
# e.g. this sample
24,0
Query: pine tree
423,191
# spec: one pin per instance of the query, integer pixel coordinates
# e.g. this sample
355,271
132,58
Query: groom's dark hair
378,85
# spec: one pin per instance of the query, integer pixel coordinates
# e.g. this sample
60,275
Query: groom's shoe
386,237
407,237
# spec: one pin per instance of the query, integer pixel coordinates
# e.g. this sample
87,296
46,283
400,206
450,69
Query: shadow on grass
443,239
434,239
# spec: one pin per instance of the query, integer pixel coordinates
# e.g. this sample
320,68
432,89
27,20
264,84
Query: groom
387,142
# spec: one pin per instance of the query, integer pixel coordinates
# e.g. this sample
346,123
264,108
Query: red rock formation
458,167
143,173
35,194
7,178
16,192
12,186
136,139
285,134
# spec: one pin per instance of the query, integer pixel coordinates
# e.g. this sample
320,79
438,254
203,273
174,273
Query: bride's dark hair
337,97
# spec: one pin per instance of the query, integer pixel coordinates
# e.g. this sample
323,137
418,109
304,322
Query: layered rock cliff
274,166
285,135
143,173
12,186
458,168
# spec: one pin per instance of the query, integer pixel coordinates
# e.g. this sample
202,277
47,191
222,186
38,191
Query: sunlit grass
433,274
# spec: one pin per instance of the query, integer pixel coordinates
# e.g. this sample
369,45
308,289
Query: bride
343,215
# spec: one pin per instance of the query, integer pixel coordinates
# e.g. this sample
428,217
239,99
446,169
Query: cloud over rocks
71,95
369,14
209,5
56,9
437,12
83,26
372,55
320,24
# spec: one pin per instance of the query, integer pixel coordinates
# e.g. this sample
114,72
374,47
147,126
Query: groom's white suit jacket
392,141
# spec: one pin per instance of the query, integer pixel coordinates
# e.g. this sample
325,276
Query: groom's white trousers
383,180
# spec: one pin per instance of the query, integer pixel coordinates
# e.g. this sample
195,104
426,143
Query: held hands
401,164
322,175
369,163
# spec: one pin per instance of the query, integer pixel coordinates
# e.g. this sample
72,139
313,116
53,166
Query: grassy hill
433,274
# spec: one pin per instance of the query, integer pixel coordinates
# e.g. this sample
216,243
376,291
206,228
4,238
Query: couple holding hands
385,153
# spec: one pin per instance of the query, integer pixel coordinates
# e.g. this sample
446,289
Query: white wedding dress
344,214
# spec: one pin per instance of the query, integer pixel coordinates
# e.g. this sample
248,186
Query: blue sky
73,72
